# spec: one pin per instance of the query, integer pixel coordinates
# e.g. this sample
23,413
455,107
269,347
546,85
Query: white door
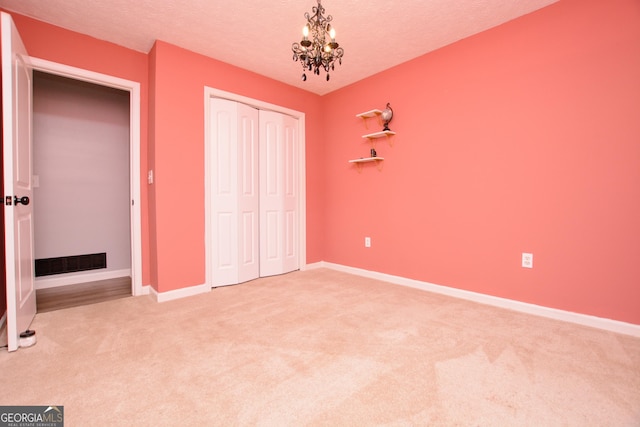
278,193
235,192
16,107
248,194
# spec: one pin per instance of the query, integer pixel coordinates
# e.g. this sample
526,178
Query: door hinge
8,200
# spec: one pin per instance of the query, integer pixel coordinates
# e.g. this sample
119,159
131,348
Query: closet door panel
271,174
290,195
224,199
278,198
235,192
248,194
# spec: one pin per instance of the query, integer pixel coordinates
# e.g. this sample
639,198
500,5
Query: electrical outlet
527,260
367,242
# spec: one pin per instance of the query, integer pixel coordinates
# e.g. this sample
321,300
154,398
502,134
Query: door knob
24,200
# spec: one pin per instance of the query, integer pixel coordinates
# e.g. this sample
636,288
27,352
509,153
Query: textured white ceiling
257,34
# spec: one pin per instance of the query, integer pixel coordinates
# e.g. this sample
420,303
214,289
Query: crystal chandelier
318,48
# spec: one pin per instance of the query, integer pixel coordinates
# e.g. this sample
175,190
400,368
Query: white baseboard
179,293
314,265
74,278
552,313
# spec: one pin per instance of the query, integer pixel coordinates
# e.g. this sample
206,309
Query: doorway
129,190
81,191
80,181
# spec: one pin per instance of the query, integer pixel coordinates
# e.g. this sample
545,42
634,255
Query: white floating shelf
379,134
371,113
367,159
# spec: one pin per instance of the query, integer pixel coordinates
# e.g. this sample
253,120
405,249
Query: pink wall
179,77
524,138
78,50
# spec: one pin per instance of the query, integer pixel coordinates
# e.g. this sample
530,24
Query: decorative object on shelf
387,116
373,152
318,47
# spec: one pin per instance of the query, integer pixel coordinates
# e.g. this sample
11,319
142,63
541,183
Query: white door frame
209,93
134,146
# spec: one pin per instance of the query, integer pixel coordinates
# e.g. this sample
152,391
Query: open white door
16,112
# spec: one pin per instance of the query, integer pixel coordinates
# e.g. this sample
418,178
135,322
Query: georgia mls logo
57,411
31,416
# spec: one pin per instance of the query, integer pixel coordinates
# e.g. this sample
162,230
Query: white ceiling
257,34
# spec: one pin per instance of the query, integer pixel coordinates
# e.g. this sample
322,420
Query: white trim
179,293
74,278
537,310
134,90
209,93
315,265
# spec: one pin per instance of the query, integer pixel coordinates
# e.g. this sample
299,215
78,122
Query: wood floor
60,297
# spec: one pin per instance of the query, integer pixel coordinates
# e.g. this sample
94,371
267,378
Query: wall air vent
70,264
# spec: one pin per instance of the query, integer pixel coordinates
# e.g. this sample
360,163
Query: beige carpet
322,348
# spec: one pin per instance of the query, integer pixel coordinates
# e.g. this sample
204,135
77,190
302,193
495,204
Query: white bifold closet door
278,193
235,192
253,193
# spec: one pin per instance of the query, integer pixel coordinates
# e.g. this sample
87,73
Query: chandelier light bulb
332,34
305,31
